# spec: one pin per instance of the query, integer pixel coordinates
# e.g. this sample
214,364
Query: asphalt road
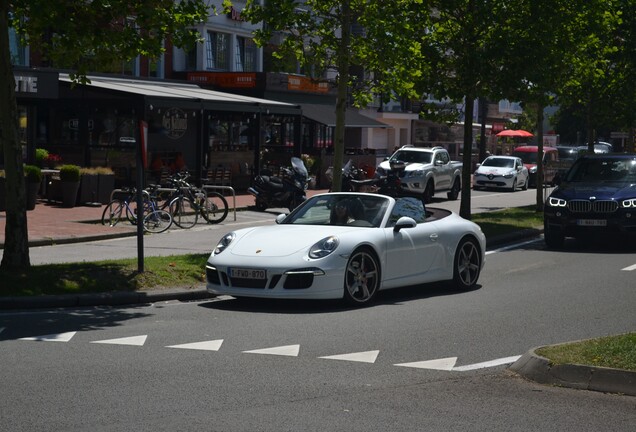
422,358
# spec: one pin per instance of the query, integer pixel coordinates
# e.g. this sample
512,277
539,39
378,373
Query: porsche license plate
591,222
245,273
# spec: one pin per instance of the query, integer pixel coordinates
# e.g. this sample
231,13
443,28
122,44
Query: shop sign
235,15
300,83
36,84
225,80
175,122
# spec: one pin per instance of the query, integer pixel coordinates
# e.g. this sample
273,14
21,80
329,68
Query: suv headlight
557,202
224,243
415,173
324,247
629,203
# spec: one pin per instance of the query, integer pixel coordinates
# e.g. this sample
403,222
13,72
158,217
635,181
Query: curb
102,299
607,380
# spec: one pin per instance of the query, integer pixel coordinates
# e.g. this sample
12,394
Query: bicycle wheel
184,212
214,207
112,213
157,221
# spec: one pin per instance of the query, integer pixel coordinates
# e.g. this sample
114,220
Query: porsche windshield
341,209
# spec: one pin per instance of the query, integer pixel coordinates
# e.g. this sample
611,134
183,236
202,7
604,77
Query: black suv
597,195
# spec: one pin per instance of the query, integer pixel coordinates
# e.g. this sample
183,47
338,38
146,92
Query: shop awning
326,114
209,99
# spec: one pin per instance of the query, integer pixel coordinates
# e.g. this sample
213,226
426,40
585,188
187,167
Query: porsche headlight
629,203
557,202
324,247
224,243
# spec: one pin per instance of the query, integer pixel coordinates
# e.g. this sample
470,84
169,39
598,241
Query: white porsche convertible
348,245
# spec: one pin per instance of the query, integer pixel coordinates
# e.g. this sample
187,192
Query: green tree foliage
461,47
82,36
368,47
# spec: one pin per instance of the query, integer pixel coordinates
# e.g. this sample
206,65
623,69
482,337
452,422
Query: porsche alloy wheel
362,277
467,264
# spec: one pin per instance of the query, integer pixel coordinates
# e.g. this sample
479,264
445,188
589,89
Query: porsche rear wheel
467,264
362,277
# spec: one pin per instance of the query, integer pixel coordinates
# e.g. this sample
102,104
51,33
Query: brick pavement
50,223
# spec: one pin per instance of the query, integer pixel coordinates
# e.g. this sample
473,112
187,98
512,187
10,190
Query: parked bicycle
155,220
187,202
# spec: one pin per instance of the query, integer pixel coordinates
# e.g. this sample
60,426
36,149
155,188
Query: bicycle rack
228,188
115,191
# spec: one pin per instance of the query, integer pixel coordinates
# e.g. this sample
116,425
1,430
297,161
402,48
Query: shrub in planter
40,156
70,173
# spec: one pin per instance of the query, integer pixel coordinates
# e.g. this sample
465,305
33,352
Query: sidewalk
50,223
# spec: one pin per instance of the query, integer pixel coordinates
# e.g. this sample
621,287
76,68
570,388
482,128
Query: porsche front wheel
467,264
362,277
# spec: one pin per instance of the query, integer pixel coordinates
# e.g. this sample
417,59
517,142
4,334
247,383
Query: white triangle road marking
445,364
491,363
213,345
133,340
364,357
630,268
58,337
287,350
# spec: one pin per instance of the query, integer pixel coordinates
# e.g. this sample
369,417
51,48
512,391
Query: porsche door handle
434,237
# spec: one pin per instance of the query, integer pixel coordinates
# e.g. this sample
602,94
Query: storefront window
17,50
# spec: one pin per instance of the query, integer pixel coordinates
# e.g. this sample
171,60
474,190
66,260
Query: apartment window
245,55
217,47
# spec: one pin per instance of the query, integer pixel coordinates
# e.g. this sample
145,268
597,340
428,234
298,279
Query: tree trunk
540,170
464,207
341,102
16,243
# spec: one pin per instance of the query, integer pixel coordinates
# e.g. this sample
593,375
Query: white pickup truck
427,171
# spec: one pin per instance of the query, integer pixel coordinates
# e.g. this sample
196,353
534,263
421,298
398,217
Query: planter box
32,190
69,193
87,189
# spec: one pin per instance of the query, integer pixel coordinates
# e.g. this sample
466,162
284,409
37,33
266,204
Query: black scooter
287,190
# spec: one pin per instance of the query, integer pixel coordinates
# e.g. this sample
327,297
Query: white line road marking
59,337
445,364
491,363
133,340
287,350
213,345
630,268
514,246
364,357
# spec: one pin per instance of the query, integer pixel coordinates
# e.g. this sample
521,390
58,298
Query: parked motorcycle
389,184
349,172
287,190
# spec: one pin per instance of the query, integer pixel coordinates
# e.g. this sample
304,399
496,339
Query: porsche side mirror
281,217
404,222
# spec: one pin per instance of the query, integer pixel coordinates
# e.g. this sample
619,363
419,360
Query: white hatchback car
507,172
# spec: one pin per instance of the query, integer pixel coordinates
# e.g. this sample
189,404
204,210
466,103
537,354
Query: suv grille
586,206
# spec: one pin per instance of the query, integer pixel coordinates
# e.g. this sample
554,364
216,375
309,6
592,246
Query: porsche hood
281,240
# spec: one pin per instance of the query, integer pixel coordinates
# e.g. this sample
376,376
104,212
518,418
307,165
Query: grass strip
617,352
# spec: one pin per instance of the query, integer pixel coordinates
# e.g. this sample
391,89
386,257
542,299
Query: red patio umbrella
514,133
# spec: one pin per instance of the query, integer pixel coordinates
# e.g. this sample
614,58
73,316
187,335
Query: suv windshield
412,156
597,170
